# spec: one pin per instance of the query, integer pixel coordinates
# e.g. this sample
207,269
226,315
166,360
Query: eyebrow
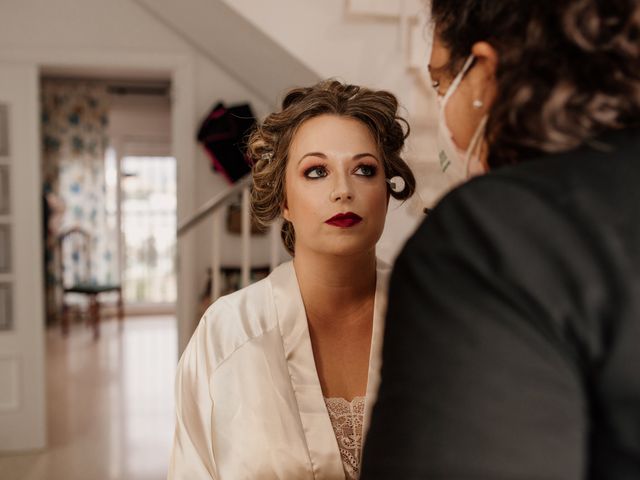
322,155
437,70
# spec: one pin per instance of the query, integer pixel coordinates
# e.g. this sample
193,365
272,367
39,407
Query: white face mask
457,164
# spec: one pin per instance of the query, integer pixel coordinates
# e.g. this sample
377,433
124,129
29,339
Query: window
148,207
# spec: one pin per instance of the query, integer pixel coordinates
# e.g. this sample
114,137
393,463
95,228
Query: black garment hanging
223,134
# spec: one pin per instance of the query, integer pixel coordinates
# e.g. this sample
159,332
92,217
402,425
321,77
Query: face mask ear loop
475,142
456,82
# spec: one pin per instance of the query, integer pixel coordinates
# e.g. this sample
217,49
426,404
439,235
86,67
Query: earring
478,104
397,184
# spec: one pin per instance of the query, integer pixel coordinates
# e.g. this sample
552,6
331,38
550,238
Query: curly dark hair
268,144
568,70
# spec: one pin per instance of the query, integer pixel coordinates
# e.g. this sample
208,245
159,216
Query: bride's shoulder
235,319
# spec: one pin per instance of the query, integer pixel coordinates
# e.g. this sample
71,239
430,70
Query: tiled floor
110,405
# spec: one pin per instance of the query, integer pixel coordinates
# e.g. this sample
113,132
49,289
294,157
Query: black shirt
512,342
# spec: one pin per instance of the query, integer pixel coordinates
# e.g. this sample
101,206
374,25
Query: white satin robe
248,398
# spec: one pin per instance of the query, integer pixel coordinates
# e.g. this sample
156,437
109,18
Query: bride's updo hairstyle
268,145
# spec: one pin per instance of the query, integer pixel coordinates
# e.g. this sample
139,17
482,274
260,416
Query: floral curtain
74,136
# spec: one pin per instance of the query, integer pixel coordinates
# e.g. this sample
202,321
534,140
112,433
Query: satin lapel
292,319
375,354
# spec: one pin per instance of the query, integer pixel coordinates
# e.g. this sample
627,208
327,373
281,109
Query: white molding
26,427
98,58
5,148
10,383
145,146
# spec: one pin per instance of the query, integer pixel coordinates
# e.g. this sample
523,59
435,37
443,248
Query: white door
22,373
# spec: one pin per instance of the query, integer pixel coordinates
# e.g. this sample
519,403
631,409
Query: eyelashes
317,171
366,170
321,171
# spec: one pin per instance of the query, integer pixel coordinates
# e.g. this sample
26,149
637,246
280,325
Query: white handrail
213,208
207,209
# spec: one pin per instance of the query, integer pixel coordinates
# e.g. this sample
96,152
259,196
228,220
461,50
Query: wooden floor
110,404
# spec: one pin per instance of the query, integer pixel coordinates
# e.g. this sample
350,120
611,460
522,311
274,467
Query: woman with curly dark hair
511,342
278,380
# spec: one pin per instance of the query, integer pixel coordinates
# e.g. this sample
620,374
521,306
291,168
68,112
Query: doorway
25,341
107,161
119,389
141,179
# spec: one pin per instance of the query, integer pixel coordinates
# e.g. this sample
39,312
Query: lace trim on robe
346,419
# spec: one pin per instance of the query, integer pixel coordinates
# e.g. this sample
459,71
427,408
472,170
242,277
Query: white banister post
216,237
274,242
246,238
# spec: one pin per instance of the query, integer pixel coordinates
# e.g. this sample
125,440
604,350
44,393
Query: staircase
230,41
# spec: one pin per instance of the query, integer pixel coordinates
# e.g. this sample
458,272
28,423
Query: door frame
180,68
22,403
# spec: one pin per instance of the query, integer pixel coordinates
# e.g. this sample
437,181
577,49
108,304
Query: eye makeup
366,169
316,171
320,171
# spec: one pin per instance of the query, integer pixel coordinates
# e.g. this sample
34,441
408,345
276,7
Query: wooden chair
82,283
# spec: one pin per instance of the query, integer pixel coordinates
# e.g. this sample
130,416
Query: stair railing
213,209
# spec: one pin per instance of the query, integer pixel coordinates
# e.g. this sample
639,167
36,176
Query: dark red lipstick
344,220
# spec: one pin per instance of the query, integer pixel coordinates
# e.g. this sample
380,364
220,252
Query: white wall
321,34
139,116
210,82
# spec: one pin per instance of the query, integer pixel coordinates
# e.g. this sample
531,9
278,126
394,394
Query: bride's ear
285,211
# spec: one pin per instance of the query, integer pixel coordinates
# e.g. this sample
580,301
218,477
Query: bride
279,378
